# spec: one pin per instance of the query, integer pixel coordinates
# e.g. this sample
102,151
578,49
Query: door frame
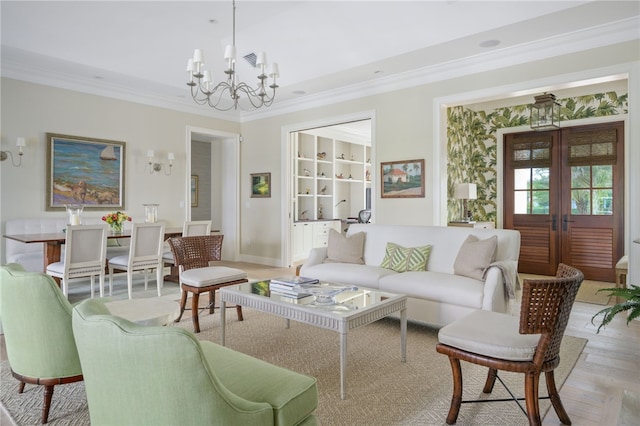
286,253
230,189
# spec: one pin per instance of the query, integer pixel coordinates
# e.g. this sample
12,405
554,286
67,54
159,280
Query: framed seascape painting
260,185
402,179
194,190
85,171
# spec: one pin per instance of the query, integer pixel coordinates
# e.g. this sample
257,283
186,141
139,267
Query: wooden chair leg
21,387
555,398
48,394
491,380
456,398
531,382
183,303
194,312
239,313
212,301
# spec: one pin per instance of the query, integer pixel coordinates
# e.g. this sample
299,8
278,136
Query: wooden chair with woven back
528,345
193,256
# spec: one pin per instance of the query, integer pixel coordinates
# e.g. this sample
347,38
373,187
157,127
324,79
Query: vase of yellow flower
116,221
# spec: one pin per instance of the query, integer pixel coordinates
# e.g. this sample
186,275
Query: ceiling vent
251,58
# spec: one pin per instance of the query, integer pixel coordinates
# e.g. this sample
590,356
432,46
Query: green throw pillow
403,259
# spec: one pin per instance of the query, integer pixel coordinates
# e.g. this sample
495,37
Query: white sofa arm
316,256
495,298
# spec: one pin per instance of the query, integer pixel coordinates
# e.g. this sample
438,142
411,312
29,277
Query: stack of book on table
284,286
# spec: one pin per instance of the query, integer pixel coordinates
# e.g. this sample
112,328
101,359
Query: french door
564,192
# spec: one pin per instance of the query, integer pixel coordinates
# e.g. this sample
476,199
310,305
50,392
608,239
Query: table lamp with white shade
464,192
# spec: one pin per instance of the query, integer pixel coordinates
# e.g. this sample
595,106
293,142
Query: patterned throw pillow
402,259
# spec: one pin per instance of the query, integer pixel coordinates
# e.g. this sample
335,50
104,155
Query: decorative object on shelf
340,176
307,191
323,191
320,214
322,155
465,192
300,155
545,112
102,159
303,215
341,157
204,92
151,213
194,190
307,172
402,179
157,167
368,175
340,202
260,185
74,214
350,177
353,158
323,175
116,221
20,143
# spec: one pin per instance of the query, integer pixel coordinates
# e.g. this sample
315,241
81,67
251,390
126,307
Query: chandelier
545,112
204,92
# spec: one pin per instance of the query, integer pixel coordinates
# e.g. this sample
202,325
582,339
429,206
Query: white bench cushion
212,275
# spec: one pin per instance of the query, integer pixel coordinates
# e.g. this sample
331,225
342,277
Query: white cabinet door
302,240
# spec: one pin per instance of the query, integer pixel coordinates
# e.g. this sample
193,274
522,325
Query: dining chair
190,228
141,375
145,254
38,336
529,344
194,257
85,255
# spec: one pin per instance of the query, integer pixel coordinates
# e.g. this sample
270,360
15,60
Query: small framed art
260,185
402,179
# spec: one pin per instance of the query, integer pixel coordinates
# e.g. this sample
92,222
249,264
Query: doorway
564,192
213,184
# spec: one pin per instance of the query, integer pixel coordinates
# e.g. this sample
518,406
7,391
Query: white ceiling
138,50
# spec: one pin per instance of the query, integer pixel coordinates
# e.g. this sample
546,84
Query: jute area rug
381,390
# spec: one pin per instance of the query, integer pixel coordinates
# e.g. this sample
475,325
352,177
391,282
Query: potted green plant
631,302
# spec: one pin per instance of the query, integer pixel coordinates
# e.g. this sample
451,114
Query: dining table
53,241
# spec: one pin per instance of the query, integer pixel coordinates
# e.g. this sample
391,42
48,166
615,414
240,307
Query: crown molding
617,32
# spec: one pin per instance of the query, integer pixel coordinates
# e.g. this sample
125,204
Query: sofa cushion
436,286
475,256
402,259
348,273
342,249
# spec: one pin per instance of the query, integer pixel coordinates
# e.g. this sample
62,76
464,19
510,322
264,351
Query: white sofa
31,255
436,296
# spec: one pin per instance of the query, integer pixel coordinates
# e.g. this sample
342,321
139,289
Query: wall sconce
157,167
464,192
545,112
20,143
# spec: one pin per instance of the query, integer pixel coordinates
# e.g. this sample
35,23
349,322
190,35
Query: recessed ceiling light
299,92
213,21
378,72
489,43
98,77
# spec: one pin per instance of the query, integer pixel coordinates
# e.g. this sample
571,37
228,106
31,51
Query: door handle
554,222
565,220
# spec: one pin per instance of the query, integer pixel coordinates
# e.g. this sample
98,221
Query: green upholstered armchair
36,318
140,375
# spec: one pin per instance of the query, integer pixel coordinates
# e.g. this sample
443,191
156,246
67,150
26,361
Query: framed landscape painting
194,190
402,179
260,185
85,171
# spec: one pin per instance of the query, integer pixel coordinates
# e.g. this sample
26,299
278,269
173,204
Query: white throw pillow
345,250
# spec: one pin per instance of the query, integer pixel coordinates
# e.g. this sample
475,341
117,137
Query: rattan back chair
193,256
530,345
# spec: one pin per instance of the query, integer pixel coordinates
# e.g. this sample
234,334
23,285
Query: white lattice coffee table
367,306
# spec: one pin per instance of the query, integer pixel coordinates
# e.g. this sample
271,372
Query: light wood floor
607,372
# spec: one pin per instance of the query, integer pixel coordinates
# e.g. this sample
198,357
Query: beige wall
406,127
31,111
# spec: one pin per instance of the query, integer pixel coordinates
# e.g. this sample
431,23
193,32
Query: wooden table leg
52,254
